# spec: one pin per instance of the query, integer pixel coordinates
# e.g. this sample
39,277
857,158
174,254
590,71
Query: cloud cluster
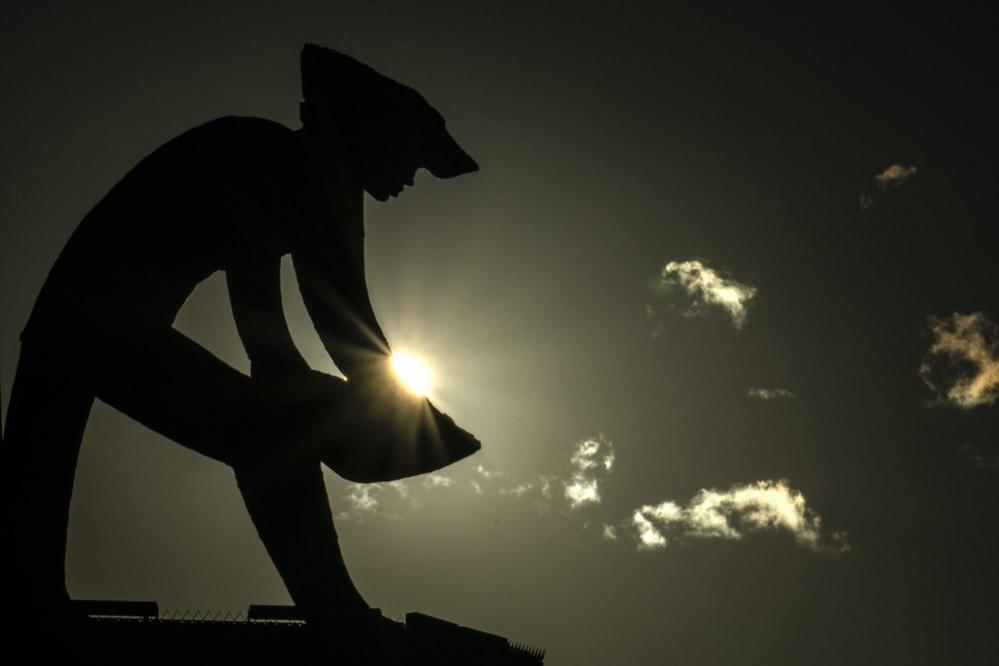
962,366
731,514
711,514
769,394
705,289
592,460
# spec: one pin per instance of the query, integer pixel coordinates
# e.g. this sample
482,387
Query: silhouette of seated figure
234,194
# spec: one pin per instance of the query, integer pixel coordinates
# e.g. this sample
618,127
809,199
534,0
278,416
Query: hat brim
447,159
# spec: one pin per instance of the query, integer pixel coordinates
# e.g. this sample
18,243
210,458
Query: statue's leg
177,388
292,515
49,407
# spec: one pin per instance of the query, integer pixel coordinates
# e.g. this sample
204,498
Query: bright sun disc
412,373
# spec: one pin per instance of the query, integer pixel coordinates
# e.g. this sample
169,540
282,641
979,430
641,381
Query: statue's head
386,130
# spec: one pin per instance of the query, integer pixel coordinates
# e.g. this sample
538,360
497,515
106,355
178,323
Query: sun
412,373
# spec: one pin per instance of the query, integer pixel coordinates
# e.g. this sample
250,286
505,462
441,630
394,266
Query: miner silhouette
234,194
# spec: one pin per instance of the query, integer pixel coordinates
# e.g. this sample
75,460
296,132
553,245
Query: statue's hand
448,430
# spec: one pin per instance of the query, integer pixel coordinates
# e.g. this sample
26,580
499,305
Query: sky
720,305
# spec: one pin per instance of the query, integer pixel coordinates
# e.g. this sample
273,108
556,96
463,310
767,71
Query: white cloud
476,486
731,514
360,497
649,538
582,492
894,176
517,491
437,481
591,460
769,394
546,486
963,361
400,487
487,473
360,502
705,288
610,533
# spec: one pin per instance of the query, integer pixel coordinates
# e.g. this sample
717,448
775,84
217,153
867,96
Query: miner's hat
386,112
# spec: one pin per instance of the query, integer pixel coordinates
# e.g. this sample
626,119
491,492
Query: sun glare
412,373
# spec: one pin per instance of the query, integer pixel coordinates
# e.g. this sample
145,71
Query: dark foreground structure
120,632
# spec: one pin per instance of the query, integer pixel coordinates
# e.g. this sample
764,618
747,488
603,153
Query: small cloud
437,481
731,514
769,394
361,502
517,491
476,486
360,497
705,289
610,533
400,487
894,176
487,473
592,459
962,366
546,486
977,459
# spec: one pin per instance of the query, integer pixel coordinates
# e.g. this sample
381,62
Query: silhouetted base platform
135,633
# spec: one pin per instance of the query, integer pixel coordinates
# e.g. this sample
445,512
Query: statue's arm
255,294
330,275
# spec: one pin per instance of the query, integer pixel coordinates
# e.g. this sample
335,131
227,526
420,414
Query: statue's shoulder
223,148
239,132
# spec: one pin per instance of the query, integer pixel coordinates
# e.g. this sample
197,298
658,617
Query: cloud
731,514
894,176
976,458
610,533
546,486
517,491
705,289
400,487
361,502
591,461
769,394
437,481
962,366
487,473
360,497
649,538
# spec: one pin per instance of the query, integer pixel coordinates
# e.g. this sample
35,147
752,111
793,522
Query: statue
235,194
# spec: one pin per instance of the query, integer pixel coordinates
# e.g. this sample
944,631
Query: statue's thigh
172,385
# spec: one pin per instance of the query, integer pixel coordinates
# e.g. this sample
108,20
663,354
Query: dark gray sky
613,140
